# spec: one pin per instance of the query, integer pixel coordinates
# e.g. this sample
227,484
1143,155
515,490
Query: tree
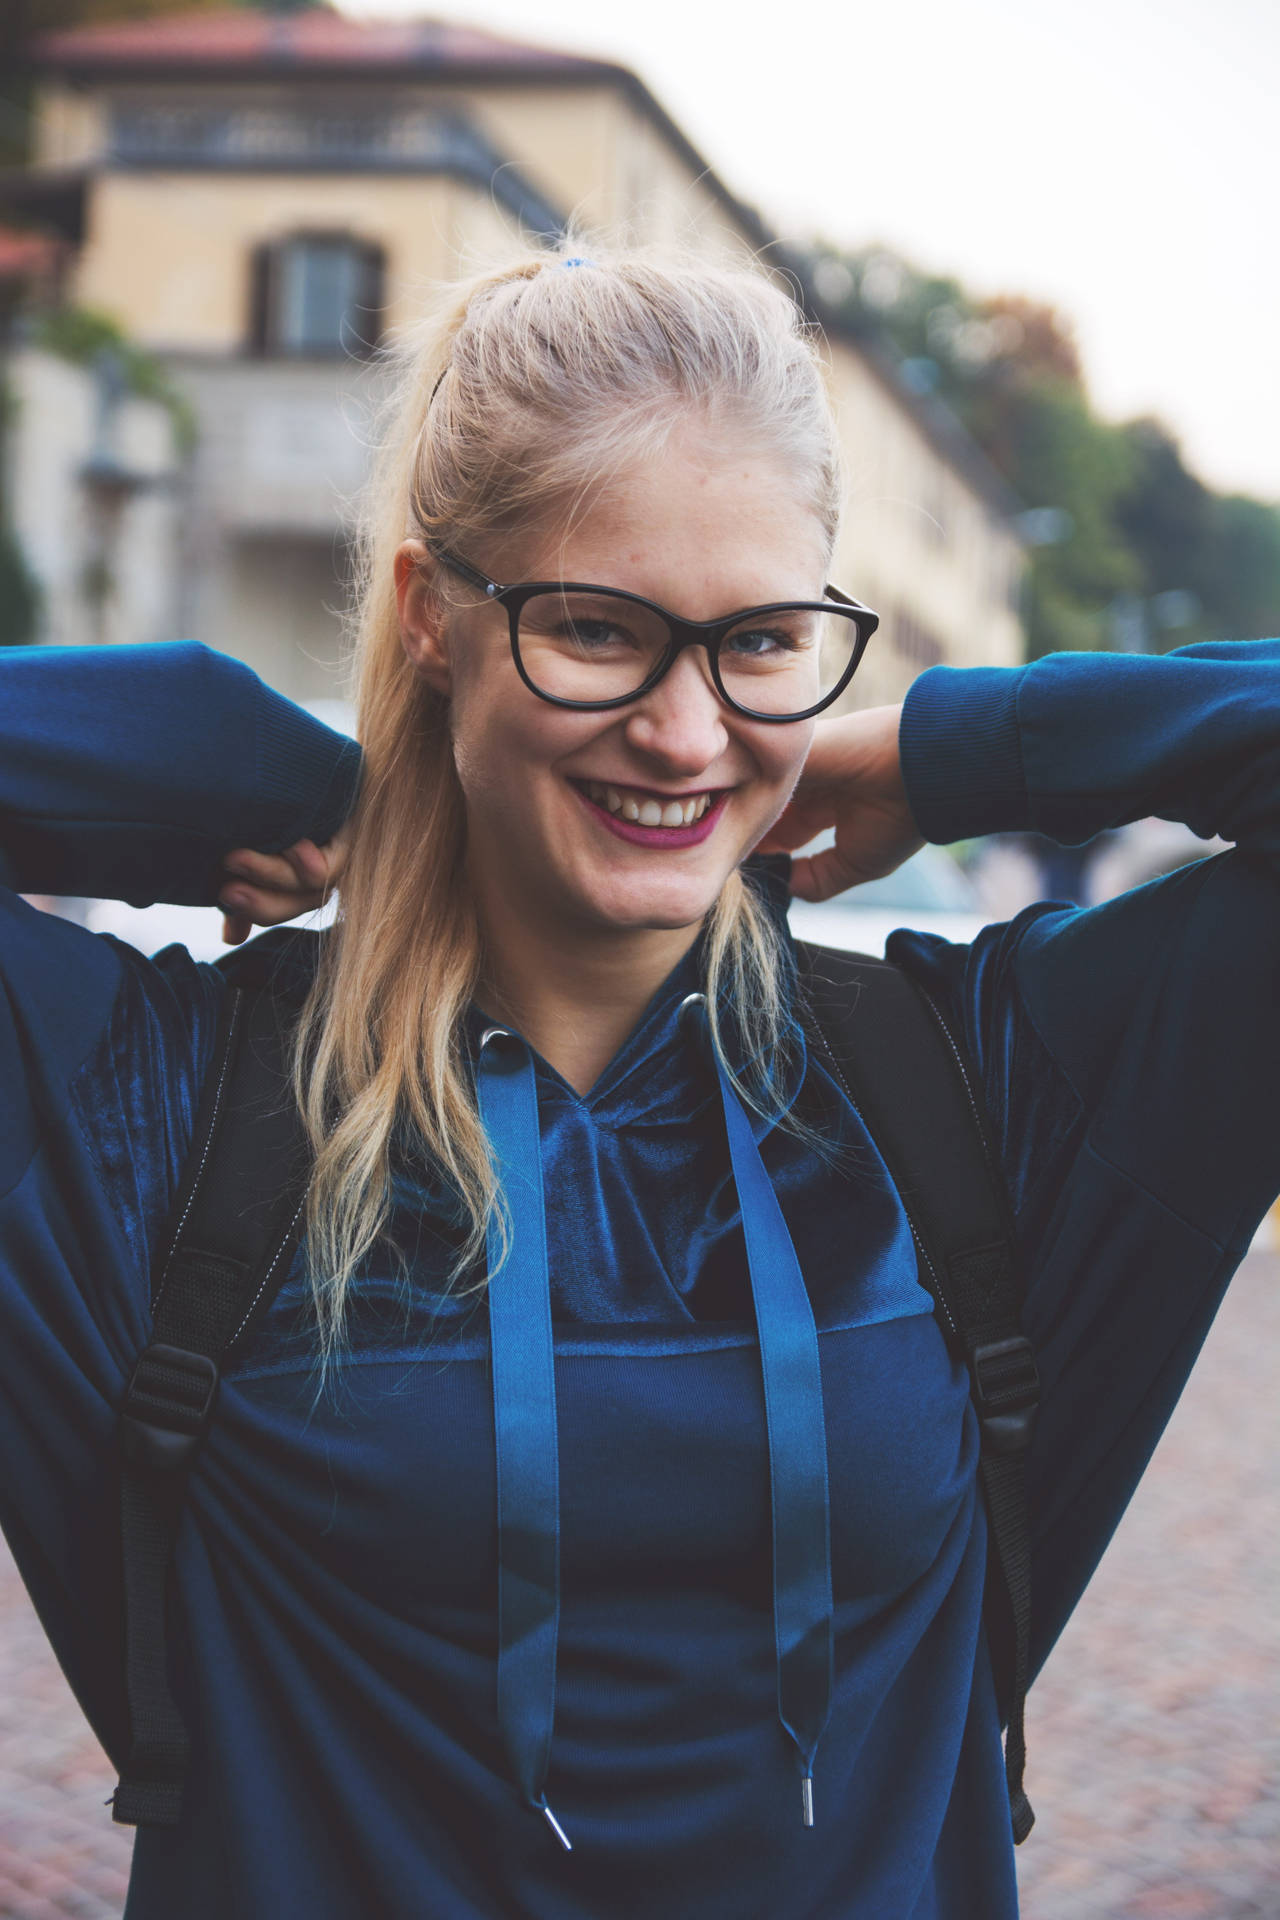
1165,513
1138,525
19,595
1242,568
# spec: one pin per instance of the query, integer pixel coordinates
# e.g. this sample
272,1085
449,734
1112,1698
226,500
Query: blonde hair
526,387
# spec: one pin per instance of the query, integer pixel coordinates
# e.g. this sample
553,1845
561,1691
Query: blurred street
1154,1734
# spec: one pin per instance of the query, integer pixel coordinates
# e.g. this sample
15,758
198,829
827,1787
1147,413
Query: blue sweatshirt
336,1572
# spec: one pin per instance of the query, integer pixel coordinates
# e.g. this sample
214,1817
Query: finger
820,876
307,864
271,871
786,834
264,907
236,928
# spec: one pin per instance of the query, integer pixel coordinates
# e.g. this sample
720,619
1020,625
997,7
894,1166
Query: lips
699,813
644,808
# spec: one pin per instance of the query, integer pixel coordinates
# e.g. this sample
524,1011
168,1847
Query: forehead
703,529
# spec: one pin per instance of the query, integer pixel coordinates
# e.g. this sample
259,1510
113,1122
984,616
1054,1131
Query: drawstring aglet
556,1828
806,1798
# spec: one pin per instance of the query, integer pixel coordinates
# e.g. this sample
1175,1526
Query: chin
656,909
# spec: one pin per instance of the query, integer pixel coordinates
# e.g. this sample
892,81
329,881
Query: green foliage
1242,567
19,595
1137,533
78,334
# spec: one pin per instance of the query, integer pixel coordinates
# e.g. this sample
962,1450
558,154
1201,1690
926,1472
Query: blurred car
928,892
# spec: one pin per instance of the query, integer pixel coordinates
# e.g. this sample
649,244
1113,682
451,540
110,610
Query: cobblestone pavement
1154,1731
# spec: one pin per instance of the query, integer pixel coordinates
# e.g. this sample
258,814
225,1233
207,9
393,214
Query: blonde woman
545,1057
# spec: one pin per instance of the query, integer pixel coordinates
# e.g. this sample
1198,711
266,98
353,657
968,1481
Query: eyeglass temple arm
472,575
847,600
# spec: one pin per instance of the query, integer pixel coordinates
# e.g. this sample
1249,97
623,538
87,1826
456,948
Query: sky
1118,158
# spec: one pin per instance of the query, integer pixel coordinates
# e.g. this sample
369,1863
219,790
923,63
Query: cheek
506,747
781,756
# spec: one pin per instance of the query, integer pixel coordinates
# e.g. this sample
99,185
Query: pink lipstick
690,836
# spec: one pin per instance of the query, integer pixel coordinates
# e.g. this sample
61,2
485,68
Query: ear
421,615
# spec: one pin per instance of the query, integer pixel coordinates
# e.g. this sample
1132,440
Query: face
705,531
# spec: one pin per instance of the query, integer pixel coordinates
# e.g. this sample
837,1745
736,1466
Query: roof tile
318,38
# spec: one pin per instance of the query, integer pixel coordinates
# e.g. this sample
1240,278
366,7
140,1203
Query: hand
852,781
264,889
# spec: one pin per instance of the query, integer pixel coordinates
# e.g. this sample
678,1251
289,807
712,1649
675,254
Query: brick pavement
1154,1731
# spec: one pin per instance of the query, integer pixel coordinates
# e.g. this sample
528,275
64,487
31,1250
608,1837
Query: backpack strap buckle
1006,1393
167,1406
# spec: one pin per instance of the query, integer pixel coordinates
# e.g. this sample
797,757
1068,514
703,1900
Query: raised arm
129,772
1130,1052
1160,1009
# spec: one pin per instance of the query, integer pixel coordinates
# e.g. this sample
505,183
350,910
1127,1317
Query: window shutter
261,263
368,318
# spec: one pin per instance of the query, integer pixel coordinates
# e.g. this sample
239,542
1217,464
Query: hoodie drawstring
527,1446
524,1422
802,1607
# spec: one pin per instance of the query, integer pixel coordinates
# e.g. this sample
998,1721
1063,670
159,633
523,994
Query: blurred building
259,200
88,481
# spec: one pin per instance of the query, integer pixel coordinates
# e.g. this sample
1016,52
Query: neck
575,1000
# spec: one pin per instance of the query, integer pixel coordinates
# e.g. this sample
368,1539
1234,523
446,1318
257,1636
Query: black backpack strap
907,1075
224,1256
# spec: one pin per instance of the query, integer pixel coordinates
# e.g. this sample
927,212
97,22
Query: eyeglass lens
591,646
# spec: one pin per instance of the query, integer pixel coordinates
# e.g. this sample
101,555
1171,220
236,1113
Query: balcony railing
358,139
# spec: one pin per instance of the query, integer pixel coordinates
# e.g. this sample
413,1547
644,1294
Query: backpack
237,1218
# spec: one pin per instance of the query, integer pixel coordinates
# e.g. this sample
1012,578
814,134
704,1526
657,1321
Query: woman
532,970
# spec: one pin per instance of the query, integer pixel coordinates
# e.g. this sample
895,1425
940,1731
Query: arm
1130,1053
129,772
1161,1009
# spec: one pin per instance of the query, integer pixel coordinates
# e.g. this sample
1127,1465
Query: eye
585,626
593,635
766,642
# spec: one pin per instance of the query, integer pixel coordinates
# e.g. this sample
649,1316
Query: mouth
650,819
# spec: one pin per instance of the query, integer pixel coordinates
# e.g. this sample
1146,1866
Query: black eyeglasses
577,645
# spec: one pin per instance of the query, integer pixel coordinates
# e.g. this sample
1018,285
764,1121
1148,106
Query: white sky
1119,157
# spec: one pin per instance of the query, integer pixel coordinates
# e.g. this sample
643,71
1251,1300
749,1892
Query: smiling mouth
648,809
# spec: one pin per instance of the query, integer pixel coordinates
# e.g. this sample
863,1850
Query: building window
316,294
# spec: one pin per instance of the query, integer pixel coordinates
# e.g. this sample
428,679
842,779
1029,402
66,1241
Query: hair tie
577,261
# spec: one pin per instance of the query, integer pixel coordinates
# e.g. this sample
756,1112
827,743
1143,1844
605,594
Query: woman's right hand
264,889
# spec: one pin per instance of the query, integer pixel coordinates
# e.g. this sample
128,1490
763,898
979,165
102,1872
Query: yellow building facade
223,177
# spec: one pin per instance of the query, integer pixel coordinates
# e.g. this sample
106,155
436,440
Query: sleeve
1129,1052
122,770
127,772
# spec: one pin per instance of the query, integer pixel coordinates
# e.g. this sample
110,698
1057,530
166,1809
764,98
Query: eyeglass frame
684,633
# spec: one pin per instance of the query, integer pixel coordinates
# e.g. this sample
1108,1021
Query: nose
681,723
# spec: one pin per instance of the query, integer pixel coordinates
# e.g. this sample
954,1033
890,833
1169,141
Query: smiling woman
589,1511
655,429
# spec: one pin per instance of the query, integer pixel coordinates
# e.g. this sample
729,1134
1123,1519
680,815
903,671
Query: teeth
645,810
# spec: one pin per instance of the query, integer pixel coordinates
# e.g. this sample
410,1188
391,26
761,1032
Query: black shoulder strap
908,1076
224,1256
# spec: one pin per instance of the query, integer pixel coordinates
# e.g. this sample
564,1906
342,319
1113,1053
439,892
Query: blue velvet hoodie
336,1579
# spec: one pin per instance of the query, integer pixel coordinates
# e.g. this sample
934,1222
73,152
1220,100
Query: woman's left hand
852,781
265,889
